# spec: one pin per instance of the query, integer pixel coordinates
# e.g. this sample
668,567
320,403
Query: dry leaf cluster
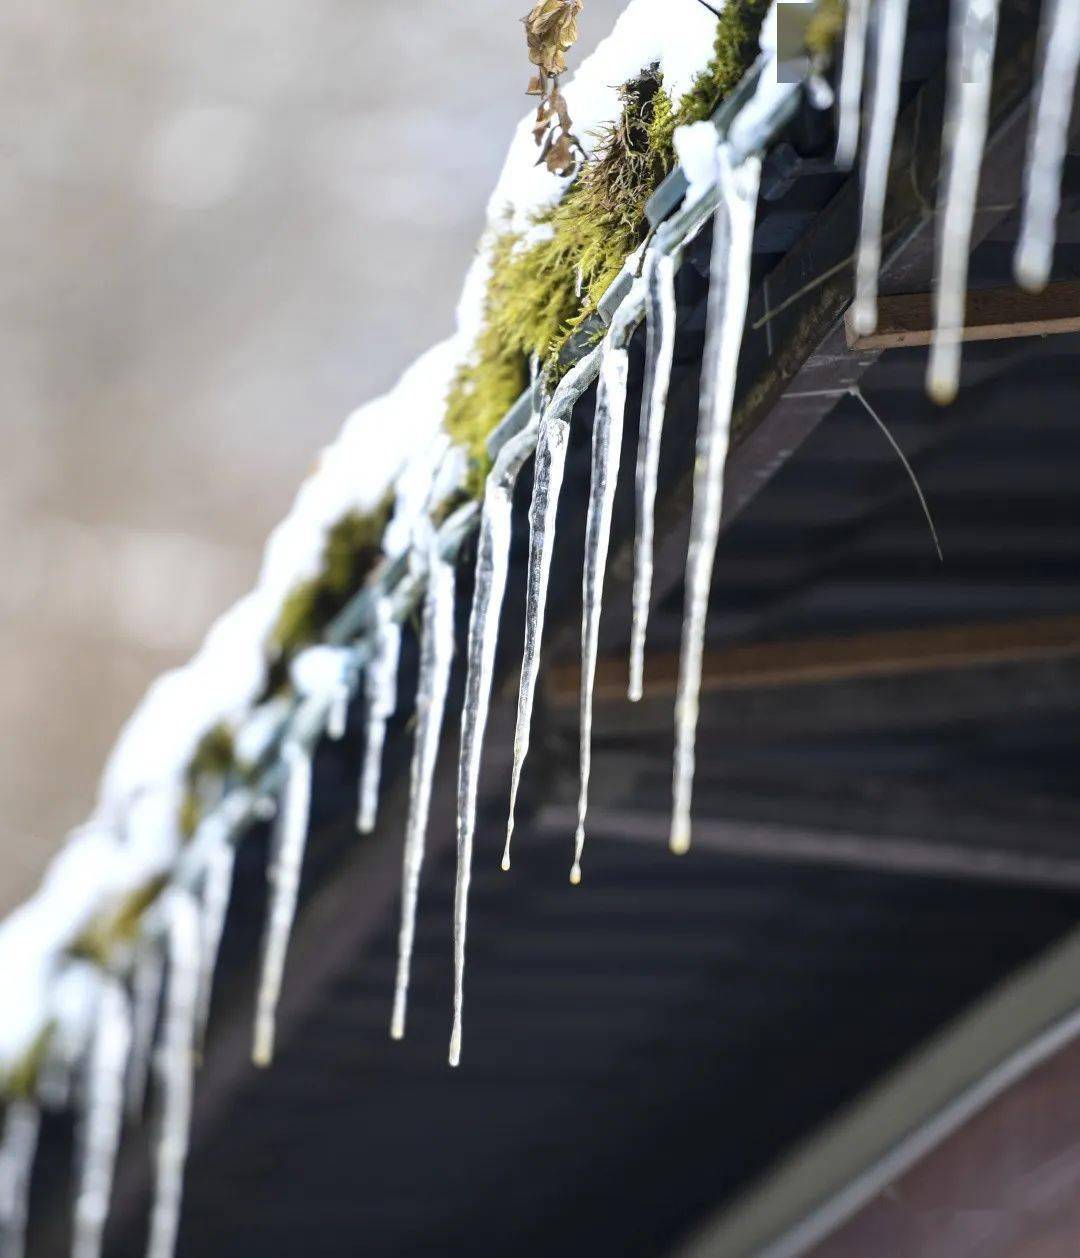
551,30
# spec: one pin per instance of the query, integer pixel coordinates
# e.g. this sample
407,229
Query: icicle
729,285
22,1122
971,66
147,982
1049,142
175,1066
283,875
380,683
436,658
216,893
606,456
551,445
102,1121
890,34
660,346
492,560
851,82
338,716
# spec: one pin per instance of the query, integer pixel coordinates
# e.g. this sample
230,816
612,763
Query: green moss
735,48
206,776
116,925
539,296
353,548
442,511
485,389
824,28
20,1082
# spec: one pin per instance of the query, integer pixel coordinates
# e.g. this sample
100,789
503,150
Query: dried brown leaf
551,29
560,156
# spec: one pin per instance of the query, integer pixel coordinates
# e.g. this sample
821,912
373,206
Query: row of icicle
176,957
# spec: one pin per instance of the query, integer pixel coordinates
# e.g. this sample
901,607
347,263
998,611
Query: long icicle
729,287
852,71
380,685
18,1147
436,658
551,446
492,560
659,274
1049,142
283,875
148,978
890,34
103,1119
973,39
216,893
175,1065
606,456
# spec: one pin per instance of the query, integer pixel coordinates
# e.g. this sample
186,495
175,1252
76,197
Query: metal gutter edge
831,1176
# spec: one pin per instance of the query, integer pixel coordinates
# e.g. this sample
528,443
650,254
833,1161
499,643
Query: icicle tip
455,1045
262,1051
1032,267
680,839
575,874
864,316
942,388
397,1024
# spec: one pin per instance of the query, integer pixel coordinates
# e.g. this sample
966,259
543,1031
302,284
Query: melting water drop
606,456
175,1067
551,445
851,82
729,287
1049,142
436,658
891,32
148,978
283,875
380,684
659,274
971,65
492,561
102,1120
216,893
22,1122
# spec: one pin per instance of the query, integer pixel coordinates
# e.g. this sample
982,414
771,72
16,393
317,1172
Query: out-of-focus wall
221,227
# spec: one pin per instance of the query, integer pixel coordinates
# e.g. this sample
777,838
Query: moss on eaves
117,925
735,48
824,28
20,1081
208,773
539,295
353,548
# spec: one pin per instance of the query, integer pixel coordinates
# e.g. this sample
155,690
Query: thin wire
856,392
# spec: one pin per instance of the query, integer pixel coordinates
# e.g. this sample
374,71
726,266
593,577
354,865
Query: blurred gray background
222,226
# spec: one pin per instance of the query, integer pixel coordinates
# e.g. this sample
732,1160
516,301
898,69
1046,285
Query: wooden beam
993,314
819,660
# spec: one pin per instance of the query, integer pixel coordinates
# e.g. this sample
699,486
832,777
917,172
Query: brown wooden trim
816,660
993,314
